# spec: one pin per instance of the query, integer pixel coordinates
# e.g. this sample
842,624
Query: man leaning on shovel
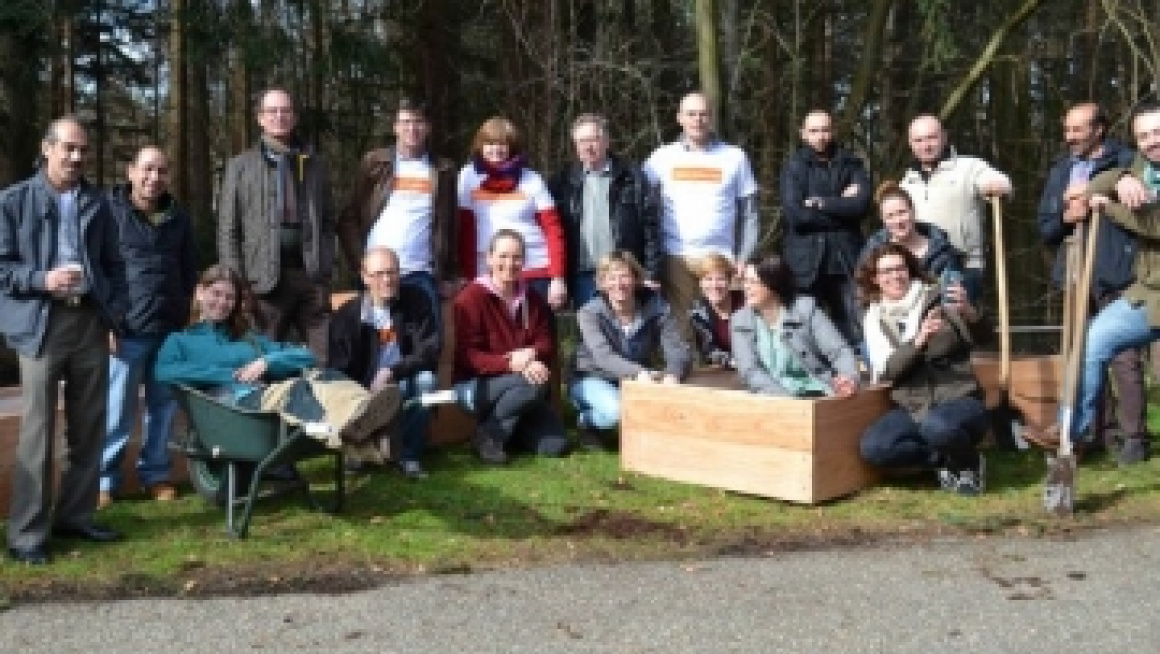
1127,196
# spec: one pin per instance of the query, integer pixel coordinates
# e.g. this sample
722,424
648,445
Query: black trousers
519,414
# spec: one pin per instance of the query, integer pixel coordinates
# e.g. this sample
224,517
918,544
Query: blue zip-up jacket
940,254
29,222
1116,249
205,357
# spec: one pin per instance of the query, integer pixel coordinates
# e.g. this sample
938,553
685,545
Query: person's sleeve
468,234
284,359
549,220
1145,222
113,267
424,349
986,175
754,375
470,340
649,204
174,365
541,325
853,209
350,236
798,217
340,341
604,355
1052,229
229,227
16,275
188,260
833,346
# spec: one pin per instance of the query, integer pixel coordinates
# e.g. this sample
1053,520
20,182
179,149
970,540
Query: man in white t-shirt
404,199
708,194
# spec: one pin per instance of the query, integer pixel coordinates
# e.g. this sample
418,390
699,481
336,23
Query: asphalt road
1097,594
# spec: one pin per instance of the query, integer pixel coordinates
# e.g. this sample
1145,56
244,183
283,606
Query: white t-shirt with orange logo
516,209
405,222
699,195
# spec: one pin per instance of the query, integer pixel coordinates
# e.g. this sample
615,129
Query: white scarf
901,317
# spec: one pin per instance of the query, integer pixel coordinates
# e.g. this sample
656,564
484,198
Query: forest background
182,73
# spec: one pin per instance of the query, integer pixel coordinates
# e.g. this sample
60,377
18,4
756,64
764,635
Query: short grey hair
51,134
596,120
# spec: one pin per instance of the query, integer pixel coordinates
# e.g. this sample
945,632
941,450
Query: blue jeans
425,281
415,421
973,283
129,369
946,437
597,402
1117,327
583,288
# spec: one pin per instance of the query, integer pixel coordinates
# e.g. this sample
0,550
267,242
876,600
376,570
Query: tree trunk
19,44
869,64
178,115
708,61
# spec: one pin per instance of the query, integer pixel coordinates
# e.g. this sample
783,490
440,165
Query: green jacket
1145,224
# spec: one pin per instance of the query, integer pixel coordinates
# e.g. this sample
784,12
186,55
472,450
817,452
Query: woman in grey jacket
783,344
622,330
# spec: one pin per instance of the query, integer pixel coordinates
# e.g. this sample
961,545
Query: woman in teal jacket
221,355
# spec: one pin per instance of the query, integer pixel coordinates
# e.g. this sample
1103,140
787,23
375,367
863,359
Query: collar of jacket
702,309
712,143
793,315
615,166
48,195
1112,154
946,161
837,154
122,194
649,305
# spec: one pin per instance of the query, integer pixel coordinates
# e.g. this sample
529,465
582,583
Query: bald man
387,335
1062,207
708,195
62,288
950,191
157,244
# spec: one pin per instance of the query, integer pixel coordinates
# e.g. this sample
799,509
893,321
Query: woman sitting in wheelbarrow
221,354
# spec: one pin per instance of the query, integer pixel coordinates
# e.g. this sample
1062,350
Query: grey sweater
606,351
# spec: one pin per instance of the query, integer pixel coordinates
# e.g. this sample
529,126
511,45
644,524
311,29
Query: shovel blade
1059,489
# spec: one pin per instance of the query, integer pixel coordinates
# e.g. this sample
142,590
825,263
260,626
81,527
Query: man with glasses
404,199
276,226
386,335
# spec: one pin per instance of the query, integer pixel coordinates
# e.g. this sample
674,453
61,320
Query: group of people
100,290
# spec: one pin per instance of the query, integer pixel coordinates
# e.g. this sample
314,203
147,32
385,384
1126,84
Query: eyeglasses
284,111
892,269
381,273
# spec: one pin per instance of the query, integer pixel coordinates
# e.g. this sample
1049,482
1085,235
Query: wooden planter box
1034,385
710,433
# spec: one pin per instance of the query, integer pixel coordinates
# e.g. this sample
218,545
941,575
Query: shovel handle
1001,286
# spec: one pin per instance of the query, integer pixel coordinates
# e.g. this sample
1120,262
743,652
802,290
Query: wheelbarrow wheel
209,479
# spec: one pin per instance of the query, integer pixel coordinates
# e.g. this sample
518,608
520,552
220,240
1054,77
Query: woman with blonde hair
498,191
623,329
710,314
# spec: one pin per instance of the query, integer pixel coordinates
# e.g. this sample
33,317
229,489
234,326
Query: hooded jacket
940,254
605,351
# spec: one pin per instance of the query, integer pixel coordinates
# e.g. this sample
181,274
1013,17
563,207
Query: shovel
1059,489
1003,415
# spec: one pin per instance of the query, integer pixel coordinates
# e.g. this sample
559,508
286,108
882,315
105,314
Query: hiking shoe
376,412
947,479
973,481
489,450
1136,449
412,470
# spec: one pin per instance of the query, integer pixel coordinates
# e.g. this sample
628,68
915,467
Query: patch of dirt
622,526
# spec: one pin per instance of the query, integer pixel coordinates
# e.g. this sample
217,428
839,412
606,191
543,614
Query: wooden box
1034,385
711,433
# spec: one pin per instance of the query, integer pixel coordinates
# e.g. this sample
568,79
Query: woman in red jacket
498,191
503,348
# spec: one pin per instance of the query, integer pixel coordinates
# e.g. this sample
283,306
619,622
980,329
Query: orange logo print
696,174
413,184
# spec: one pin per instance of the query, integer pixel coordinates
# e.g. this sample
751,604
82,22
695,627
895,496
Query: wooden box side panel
838,465
725,416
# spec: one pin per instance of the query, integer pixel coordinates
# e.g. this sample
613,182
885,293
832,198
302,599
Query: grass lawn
538,511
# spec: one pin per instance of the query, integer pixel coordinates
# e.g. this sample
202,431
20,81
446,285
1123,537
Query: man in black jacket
157,244
825,195
606,203
1061,207
386,335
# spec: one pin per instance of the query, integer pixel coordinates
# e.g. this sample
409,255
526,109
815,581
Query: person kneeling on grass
503,348
622,329
919,339
220,354
783,343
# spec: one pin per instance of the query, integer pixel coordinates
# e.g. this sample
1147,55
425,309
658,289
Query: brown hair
716,262
620,258
239,322
498,130
867,274
890,189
